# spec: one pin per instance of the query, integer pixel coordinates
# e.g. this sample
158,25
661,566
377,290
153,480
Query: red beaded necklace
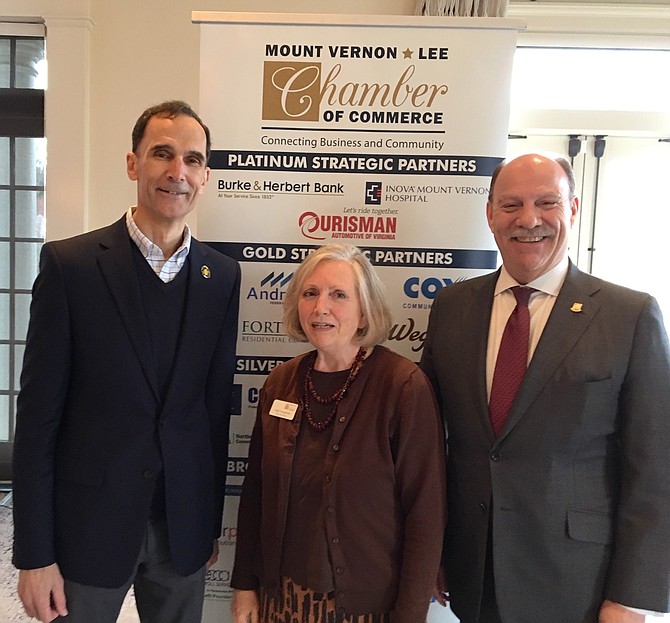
334,398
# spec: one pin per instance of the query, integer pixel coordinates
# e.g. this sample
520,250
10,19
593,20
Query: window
586,79
614,103
22,185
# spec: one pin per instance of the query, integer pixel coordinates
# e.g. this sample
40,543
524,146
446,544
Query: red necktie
512,360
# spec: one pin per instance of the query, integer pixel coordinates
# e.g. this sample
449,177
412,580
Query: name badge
283,409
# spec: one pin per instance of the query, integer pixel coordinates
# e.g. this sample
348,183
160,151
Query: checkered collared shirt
165,269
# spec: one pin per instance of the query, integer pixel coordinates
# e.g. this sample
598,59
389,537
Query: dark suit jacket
577,486
92,432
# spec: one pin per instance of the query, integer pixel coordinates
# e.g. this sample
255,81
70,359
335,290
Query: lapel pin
576,307
205,272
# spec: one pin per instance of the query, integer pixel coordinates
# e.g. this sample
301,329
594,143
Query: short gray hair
370,293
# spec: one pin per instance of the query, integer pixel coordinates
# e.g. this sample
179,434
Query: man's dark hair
169,110
564,164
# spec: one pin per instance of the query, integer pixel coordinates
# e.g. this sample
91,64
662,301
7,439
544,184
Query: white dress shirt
540,305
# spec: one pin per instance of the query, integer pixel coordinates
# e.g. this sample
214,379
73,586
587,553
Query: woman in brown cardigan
342,511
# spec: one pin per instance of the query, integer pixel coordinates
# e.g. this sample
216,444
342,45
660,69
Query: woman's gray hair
370,293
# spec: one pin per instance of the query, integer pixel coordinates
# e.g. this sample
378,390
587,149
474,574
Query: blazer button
343,419
148,474
335,447
336,540
495,456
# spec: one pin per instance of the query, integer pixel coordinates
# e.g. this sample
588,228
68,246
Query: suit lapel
565,327
475,321
479,324
118,269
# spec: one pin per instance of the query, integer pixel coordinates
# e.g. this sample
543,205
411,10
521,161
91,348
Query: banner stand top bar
330,19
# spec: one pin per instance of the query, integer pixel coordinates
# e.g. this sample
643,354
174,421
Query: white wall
143,54
108,61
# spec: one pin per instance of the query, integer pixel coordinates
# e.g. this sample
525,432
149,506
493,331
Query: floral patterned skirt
297,604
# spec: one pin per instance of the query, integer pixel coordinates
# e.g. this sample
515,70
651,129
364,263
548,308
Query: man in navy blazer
122,428
563,516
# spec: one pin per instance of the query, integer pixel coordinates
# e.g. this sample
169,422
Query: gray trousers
161,594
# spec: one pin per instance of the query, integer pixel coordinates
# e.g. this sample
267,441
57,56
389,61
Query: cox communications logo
429,287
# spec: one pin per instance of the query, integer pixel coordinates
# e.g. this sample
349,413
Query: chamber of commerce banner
381,132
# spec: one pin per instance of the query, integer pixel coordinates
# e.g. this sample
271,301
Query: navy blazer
92,431
577,486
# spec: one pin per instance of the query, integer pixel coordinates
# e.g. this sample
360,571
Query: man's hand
440,591
244,606
611,612
41,593
215,554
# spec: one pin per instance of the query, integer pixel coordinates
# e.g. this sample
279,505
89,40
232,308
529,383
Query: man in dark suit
122,428
560,516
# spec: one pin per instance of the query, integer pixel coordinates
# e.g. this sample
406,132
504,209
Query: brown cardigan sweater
384,489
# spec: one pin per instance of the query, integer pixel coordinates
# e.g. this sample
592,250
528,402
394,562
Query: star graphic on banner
407,53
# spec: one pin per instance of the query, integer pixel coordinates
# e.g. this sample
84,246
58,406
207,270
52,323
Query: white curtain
462,8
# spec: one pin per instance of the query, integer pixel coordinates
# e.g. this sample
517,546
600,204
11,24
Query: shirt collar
550,283
148,248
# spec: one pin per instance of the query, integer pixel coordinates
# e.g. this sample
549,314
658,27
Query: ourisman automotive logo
317,226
